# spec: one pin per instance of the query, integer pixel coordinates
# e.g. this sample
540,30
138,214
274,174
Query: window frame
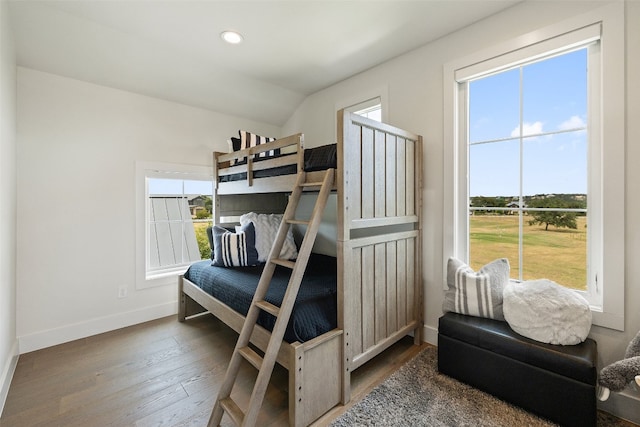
145,170
590,43
367,107
609,312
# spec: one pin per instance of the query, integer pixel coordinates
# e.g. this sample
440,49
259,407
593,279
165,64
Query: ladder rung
268,307
312,184
284,262
298,221
251,356
233,410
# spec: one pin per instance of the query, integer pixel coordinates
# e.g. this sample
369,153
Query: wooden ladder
265,364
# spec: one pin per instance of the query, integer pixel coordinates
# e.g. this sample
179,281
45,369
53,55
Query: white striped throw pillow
476,293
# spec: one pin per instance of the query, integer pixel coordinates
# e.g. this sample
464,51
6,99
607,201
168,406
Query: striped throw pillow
248,140
476,293
234,249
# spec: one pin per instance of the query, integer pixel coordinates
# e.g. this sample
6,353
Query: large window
536,132
175,205
528,143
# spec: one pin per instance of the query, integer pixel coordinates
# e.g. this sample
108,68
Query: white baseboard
430,334
625,404
7,374
96,326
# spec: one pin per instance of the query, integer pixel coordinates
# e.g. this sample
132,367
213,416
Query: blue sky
553,99
175,186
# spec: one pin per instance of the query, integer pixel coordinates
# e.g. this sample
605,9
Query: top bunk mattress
315,159
315,310
320,158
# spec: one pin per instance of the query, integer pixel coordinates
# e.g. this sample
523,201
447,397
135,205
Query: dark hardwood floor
159,373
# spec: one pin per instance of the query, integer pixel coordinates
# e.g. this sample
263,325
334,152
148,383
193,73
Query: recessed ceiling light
232,37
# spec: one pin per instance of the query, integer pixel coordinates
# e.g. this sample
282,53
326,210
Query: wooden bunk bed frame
378,185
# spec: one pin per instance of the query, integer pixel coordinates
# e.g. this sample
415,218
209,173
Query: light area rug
417,395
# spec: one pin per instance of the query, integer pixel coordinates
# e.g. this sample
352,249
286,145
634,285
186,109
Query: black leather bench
553,381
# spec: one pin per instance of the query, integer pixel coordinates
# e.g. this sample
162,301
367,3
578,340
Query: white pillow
547,312
266,230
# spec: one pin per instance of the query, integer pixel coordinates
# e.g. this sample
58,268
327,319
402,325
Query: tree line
558,218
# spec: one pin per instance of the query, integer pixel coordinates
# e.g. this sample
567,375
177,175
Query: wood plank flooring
159,373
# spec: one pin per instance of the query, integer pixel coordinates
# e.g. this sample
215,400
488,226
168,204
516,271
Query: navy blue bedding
314,313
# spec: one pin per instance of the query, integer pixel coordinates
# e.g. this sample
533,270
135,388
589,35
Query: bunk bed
378,286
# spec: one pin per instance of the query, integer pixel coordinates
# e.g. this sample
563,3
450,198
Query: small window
371,109
373,113
175,205
179,214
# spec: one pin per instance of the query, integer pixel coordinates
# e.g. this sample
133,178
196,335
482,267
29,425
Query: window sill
161,278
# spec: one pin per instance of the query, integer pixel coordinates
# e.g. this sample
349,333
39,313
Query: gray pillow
476,293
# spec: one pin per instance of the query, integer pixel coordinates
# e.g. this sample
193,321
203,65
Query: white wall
77,148
8,342
414,83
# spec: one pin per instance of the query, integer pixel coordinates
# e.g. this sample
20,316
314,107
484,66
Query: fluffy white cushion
266,230
476,294
547,312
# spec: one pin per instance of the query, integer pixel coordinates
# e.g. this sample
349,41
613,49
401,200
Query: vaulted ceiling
172,49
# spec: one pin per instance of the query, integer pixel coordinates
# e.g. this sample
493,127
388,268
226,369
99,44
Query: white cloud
573,123
527,129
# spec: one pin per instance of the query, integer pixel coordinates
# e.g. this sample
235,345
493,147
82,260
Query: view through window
528,169
179,212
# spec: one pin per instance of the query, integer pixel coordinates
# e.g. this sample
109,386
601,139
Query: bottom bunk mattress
315,310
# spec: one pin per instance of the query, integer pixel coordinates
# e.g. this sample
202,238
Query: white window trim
612,42
158,170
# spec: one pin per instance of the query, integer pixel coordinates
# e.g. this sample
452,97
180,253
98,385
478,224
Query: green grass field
203,241
558,254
